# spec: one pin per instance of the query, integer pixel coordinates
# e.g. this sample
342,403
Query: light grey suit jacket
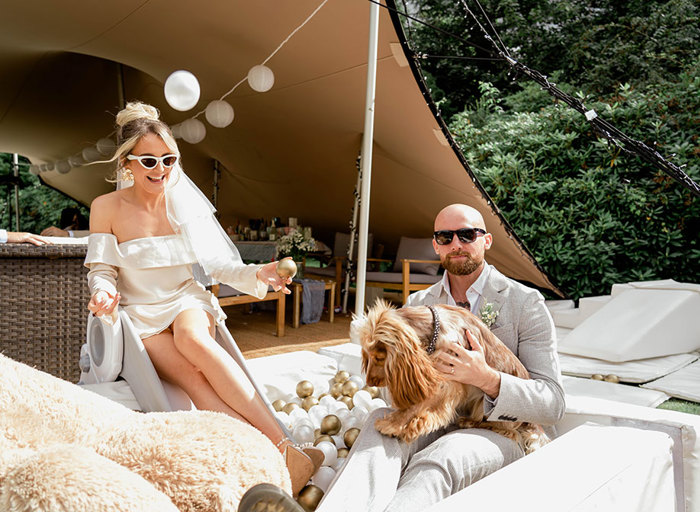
526,327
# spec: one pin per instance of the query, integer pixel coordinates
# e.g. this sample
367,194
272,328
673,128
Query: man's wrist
492,386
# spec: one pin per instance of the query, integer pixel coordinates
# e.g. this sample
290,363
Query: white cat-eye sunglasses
150,162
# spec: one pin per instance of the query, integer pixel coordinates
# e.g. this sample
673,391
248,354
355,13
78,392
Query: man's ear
435,247
488,240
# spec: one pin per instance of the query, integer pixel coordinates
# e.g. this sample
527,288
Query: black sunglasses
465,235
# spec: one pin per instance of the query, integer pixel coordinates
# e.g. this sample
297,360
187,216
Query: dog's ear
411,378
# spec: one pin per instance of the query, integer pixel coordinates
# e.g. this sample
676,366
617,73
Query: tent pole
15,169
366,163
351,244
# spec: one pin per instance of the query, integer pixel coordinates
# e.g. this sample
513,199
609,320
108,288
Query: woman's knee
191,341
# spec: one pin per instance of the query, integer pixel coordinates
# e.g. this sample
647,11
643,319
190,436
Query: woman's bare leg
173,367
193,335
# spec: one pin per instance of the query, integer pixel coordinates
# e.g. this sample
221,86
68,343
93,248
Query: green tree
39,205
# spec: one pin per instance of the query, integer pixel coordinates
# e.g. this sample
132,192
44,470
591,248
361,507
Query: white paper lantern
34,169
182,90
261,78
323,477
330,452
76,161
193,130
219,114
50,166
91,154
106,147
63,166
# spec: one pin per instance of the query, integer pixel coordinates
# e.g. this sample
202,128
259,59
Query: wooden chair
228,296
413,270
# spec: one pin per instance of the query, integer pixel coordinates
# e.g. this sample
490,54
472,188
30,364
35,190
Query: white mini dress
154,278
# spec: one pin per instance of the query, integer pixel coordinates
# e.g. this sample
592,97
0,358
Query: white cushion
417,249
642,370
684,383
639,323
575,386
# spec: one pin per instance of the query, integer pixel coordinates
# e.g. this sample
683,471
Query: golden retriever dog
397,353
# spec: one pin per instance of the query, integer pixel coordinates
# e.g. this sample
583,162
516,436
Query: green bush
39,206
591,214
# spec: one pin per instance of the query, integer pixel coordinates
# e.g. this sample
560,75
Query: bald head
458,216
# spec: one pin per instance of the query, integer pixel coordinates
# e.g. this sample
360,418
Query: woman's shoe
302,463
268,498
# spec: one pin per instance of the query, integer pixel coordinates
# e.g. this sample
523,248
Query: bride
143,242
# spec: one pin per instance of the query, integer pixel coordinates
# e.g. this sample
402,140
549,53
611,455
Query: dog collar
436,330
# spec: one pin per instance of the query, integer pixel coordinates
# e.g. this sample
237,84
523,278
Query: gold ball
317,433
350,436
337,389
330,425
324,437
277,405
308,402
597,376
350,388
309,497
372,390
612,378
347,400
288,408
304,389
341,376
343,452
286,268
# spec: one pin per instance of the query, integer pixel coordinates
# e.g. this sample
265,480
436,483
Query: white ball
181,90
283,417
330,452
298,413
338,406
323,477
321,387
376,403
357,380
106,146
219,113
63,166
339,441
362,398
193,130
343,414
351,422
303,434
327,401
90,154
261,78
339,463
360,413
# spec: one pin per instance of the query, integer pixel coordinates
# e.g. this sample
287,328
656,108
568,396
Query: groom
383,473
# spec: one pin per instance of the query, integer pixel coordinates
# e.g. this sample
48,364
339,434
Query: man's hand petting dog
465,366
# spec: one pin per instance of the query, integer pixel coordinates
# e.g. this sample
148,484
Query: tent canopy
289,152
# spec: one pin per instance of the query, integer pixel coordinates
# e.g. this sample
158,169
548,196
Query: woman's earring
127,175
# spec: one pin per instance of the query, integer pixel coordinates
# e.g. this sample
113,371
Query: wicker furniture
43,306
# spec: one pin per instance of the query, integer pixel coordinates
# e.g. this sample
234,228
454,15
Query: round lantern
91,154
49,166
261,78
34,169
76,161
219,113
193,130
63,166
106,146
182,90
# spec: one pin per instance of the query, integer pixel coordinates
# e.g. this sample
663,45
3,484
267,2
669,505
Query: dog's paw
388,426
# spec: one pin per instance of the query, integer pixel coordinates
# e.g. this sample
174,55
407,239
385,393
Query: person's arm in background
14,237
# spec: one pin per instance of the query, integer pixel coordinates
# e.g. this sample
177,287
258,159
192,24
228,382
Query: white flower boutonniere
488,315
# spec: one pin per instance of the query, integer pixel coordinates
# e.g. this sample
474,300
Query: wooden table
296,302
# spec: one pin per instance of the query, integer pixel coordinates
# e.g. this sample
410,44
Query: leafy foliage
593,216
39,206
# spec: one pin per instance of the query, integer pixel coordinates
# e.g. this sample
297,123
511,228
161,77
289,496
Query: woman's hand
268,275
28,238
54,231
468,366
103,303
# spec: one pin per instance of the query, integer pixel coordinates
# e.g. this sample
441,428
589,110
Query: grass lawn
676,404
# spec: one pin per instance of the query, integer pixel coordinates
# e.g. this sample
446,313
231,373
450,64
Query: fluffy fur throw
66,449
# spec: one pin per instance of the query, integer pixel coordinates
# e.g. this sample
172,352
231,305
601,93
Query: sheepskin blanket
63,448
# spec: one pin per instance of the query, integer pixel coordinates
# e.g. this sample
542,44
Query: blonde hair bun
136,110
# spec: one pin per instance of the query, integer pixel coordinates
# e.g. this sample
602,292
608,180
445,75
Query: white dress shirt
475,291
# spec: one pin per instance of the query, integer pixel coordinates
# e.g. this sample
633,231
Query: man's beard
464,267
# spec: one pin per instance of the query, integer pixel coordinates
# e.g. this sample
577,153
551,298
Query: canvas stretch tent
66,66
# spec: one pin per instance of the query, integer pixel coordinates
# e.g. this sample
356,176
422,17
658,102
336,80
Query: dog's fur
394,354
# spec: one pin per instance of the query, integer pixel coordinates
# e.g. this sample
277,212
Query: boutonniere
488,314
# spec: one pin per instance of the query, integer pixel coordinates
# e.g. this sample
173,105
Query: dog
395,353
